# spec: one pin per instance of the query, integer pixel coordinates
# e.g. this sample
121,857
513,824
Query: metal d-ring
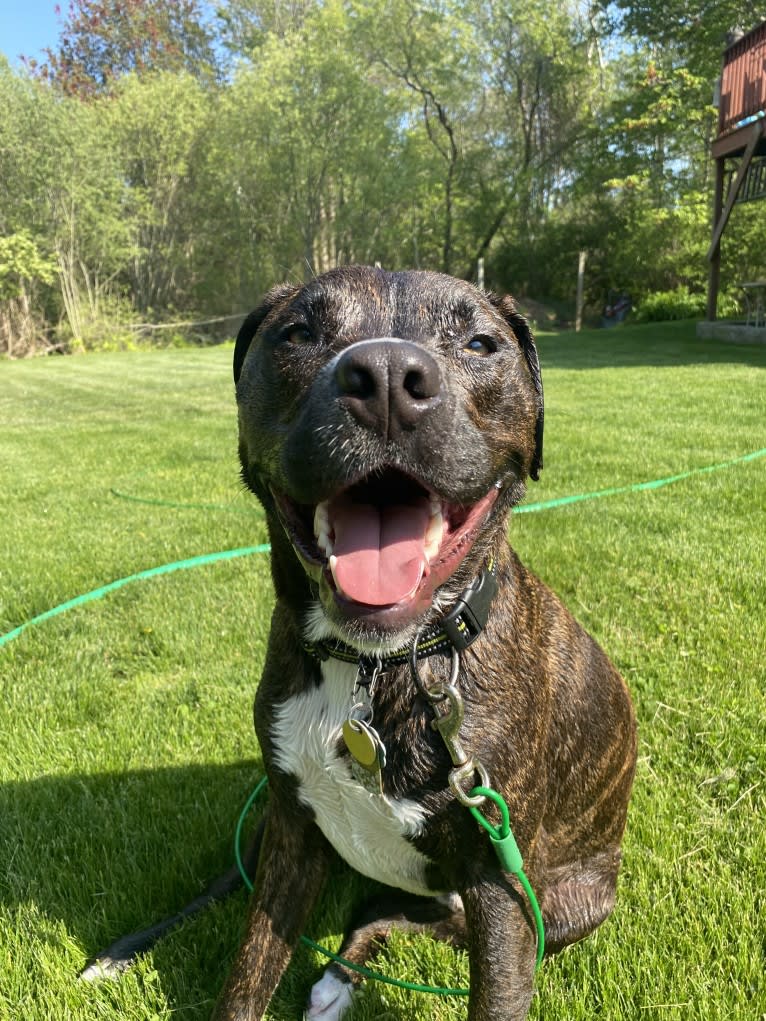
437,693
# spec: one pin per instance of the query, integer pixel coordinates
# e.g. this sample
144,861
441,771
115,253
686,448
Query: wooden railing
743,81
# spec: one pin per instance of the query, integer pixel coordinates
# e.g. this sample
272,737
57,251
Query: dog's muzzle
381,545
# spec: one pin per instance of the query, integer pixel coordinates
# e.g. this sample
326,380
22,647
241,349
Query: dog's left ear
506,306
250,327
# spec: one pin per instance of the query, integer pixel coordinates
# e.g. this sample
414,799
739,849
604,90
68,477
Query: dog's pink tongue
380,554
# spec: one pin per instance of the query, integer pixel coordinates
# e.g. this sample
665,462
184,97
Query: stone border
731,333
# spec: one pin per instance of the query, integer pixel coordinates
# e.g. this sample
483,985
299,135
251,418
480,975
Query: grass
127,745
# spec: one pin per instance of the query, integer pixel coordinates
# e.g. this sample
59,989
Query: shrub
679,303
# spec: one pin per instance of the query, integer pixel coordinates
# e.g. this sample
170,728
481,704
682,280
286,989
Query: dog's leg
442,917
121,954
501,950
291,870
578,898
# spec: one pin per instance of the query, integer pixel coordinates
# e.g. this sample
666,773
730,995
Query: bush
662,306
97,320
681,303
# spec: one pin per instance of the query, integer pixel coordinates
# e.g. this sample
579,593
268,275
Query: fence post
580,290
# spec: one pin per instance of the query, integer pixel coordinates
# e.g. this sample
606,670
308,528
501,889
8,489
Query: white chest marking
368,830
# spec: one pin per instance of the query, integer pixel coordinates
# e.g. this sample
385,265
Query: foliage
101,40
696,29
395,131
681,303
23,267
661,306
157,125
21,262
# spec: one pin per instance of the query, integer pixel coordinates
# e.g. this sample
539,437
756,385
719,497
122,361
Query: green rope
509,856
498,834
367,972
637,487
152,572
208,558
526,508
249,511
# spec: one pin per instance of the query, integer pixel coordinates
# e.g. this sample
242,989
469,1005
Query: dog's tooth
324,543
435,527
321,519
434,534
431,551
333,561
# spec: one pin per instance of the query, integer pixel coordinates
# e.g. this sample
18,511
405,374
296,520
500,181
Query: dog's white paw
330,997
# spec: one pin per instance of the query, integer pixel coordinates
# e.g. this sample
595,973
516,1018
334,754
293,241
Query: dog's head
387,423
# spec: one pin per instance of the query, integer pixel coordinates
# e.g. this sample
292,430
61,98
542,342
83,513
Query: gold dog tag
364,744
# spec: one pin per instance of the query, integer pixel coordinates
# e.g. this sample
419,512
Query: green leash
507,851
508,854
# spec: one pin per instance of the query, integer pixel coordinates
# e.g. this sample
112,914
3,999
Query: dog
388,423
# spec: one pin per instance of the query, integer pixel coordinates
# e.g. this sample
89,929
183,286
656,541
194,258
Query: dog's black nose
388,384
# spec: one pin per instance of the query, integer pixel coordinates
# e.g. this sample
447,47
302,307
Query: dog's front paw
330,997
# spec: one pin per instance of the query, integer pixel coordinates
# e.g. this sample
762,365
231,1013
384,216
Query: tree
428,51
246,24
157,127
309,142
60,185
102,40
22,267
695,31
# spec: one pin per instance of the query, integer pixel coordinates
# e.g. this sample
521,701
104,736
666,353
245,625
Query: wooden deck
741,140
743,82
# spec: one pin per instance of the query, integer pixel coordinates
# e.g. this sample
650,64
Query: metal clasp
449,711
460,774
449,719
368,673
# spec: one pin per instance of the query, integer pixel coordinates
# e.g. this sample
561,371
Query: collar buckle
468,617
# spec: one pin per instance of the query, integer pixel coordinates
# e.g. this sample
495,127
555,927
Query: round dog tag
362,743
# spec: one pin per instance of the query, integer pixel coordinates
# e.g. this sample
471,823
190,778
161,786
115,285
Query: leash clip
368,672
460,774
448,713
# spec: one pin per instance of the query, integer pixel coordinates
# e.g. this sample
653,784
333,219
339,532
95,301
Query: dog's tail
121,954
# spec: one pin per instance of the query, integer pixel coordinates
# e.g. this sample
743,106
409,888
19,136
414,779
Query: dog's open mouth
386,541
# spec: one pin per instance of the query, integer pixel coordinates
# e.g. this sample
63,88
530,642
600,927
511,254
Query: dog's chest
368,829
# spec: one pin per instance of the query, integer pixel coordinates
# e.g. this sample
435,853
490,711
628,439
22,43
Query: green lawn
127,745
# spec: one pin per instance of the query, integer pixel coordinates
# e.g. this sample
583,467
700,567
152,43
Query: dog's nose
388,384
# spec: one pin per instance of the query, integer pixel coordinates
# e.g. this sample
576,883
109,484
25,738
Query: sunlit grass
126,723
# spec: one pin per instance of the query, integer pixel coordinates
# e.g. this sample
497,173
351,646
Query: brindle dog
388,423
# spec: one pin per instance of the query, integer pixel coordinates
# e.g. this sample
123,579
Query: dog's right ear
252,323
506,306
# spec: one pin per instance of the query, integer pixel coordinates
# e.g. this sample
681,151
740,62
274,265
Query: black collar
455,631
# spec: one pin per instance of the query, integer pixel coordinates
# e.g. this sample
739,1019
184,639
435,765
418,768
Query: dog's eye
298,334
480,345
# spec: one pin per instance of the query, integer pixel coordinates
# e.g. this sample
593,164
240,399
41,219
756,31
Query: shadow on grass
660,344
110,854
94,850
